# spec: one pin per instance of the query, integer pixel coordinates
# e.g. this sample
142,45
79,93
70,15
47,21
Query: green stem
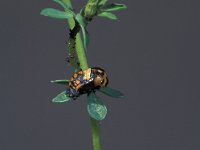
95,134
79,44
81,52
84,65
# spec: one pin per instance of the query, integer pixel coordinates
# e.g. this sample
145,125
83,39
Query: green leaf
61,98
96,108
81,20
60,81
108,15
61,3
85,37
82,11
113,7
111,92
83,23
101,2
67,8
67,3
54,13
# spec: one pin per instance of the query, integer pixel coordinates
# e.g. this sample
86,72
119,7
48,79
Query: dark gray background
151,54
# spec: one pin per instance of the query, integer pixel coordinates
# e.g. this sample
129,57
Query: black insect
85,81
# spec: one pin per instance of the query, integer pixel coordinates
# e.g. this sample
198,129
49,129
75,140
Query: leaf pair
54,13
105,10
96,108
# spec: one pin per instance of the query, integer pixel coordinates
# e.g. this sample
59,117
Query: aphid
68,58
85,81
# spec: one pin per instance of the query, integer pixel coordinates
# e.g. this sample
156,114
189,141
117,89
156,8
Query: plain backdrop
151,54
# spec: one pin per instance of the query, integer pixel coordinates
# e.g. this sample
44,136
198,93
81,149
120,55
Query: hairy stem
84,65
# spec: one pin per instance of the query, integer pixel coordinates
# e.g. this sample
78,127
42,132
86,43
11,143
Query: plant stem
95,134
81,53
79,44
84,65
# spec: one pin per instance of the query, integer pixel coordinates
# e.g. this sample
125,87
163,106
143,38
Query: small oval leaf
96,108
108,15
111,92
61,98
54,13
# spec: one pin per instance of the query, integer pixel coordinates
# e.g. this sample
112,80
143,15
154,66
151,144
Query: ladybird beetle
85,81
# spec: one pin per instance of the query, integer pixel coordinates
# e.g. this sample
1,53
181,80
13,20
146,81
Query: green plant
77,53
